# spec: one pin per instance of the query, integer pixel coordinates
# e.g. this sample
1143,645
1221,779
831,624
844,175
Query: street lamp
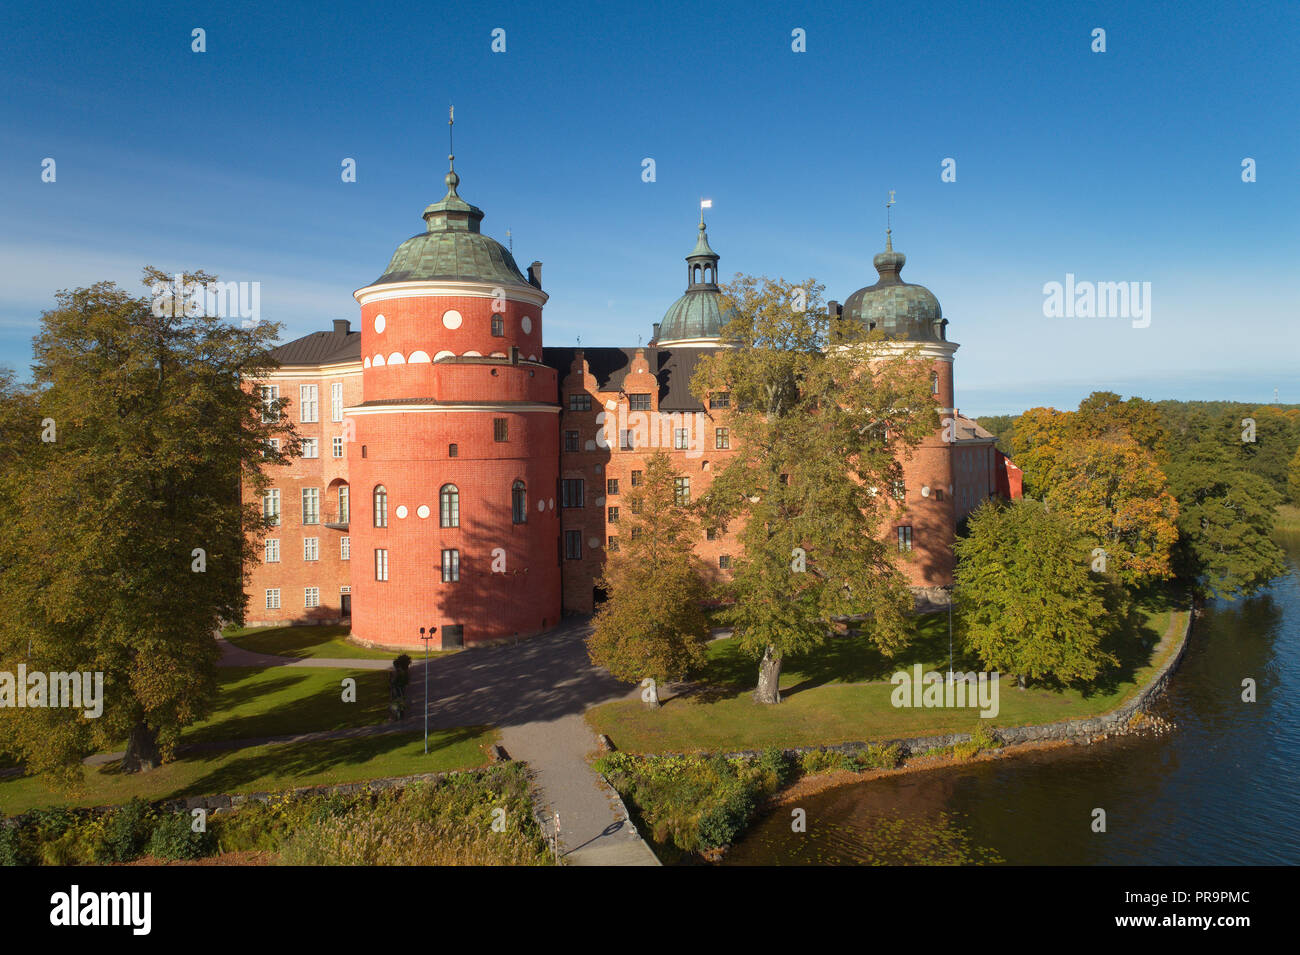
426,638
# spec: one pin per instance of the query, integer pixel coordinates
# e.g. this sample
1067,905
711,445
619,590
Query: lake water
1222,788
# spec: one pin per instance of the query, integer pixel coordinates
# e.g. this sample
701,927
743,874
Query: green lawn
829,697
316,641
266,768
280,701
1288,518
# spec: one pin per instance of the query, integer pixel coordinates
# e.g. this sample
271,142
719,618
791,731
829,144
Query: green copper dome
452,248
899,309
698,313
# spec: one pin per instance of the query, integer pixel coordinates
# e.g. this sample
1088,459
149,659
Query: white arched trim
418,357
378,362
396,359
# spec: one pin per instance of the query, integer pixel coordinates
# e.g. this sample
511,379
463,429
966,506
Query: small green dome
899,309
452,248
698,313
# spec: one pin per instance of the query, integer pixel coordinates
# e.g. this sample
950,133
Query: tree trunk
142,752
769,677
1020,681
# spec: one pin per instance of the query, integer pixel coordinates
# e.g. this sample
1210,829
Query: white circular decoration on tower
401,510
526,324
451,318
925,491
551,503
366,363
541,506
593,542
380,323
422,510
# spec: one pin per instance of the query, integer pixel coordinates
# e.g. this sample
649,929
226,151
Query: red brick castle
457,474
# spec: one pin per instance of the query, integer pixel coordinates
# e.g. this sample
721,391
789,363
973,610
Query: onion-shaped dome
897,308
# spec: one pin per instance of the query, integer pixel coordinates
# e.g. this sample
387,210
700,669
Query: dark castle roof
674,367
321,348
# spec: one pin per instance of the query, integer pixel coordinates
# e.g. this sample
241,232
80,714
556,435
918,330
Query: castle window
500,429
345,504
720,400
682,490
310,448
724,562
636,478
273,599
638,402
271,506
571,442
934,382
336,401
681,438
337,444
308,404
272,551
579,402
904,538
449,505
711,534
270,395
311,505
721,439
613,515
345,548
519,502
611,486
450,566
899,490
381,506
381,563
498,325
311,548
612,545
636,532
453,450
625,442
573,545
938,494
311,597
571,492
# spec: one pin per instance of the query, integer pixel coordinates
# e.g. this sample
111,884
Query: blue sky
1115,166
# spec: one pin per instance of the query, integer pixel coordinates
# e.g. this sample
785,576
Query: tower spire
889,225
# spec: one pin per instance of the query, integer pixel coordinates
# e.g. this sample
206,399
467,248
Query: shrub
12,850
125,832
174,839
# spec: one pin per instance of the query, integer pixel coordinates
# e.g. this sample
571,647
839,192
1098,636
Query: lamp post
426,637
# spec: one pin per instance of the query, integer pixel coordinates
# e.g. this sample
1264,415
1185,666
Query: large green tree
127,540
1225,521
1027,600
652,624
819,413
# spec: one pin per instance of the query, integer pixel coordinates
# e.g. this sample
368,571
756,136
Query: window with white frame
273,598
337,444
271,505
345,548
311,597
270,395
308,403
381,563
450,566
311,505
272,550
336,401
311,548
310,448
681,439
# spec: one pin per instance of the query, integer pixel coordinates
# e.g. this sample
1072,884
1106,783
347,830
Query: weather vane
889,224
451,140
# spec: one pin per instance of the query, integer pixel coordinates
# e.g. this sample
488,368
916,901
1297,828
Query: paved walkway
536,692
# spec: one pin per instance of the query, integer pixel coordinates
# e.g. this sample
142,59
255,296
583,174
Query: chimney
535,274
833,309
655,335
342,326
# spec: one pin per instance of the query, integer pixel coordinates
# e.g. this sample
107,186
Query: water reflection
1220,789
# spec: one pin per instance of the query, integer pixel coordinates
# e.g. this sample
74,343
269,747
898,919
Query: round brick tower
911,318
455,449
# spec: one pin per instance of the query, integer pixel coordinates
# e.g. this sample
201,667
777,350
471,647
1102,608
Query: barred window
579,402
519,502
500,429
450,566
904,538
571,441
573,545
638,402
498,326
571,492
